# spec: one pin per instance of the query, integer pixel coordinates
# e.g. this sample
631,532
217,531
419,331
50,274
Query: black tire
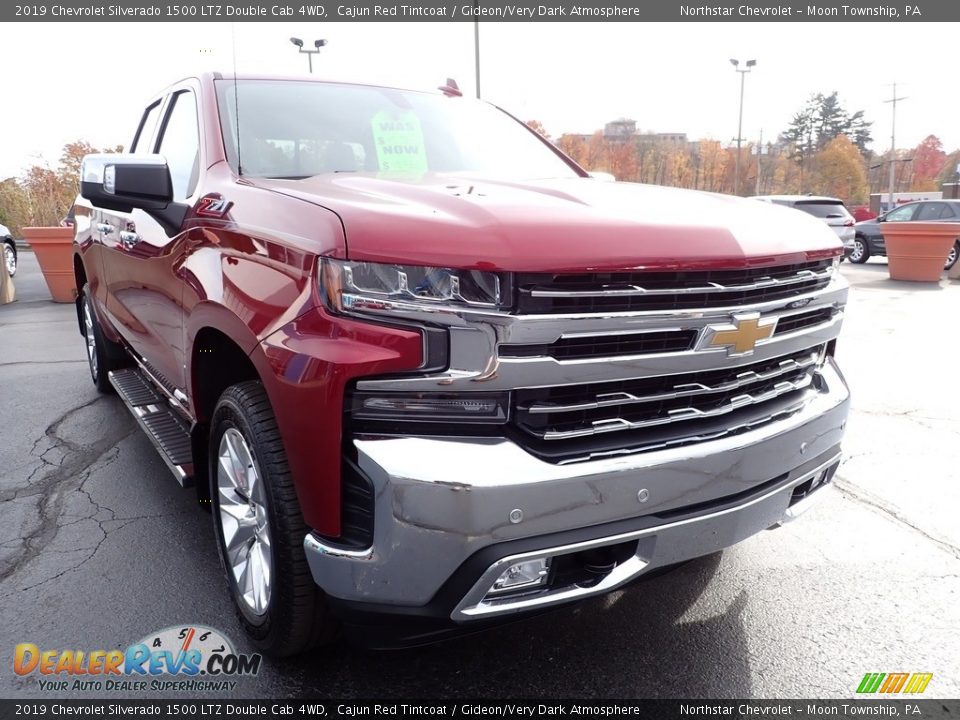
294,617
952,257
861,251
10,256
102,354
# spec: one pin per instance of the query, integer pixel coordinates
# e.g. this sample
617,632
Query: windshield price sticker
399,142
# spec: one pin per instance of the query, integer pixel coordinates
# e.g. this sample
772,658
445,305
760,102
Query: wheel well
217,363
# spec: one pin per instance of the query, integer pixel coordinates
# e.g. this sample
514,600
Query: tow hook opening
588,567
812,484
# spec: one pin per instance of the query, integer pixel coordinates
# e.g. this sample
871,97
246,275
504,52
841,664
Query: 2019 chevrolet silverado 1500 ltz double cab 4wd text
427,373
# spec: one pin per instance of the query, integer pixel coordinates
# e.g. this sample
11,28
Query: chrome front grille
541,293
666,410
606,364
644,342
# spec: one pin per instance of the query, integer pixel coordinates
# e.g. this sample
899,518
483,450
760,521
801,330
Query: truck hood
564,225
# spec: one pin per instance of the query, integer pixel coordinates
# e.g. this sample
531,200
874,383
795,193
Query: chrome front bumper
440,501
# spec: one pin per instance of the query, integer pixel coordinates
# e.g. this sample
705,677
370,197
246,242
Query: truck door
145,290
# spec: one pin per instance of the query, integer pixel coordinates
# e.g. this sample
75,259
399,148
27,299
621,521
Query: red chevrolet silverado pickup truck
428,373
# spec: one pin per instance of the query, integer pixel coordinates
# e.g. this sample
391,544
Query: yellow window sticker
399,142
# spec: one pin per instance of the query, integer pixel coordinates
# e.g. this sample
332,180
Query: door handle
105,228
129,239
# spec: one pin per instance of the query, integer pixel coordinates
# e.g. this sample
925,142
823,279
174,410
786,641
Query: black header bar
220,709
485,11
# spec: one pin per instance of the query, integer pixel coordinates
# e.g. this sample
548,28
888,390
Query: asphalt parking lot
99,546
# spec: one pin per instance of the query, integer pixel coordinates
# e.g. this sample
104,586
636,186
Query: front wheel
952,256
861,251
260,528
102,354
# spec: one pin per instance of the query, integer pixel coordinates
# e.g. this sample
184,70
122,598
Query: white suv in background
830,210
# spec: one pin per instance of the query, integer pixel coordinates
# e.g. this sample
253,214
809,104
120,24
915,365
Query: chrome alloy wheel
91,339
243,521
859,247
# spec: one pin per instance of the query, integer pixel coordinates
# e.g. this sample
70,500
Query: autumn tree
622,160
538,127
948,173
597,155
839,171
928,161
14,205
574,146
43,195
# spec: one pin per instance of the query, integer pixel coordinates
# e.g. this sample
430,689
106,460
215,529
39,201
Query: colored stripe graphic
870,682
894,682
918,683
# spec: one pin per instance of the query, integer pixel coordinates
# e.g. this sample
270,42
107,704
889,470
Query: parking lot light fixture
743,73
309,52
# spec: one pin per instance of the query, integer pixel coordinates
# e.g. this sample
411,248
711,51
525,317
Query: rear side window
935,211
180,144
824,210
148,124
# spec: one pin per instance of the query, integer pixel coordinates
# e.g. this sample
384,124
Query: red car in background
862,212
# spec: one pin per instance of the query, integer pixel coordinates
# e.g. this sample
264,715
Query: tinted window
824,210
930,211
147,125
180,145
299,129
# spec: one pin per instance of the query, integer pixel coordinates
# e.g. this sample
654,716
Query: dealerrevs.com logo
187,658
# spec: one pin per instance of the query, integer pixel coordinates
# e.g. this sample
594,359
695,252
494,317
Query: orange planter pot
917,251
53,247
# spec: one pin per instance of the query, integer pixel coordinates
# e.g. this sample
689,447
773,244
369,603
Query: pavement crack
859,495
53,480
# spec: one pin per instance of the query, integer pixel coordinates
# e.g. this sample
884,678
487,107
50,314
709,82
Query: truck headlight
350,286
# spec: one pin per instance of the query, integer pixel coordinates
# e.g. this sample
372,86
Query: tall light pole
317,44
760,152
893,145
743,76
476,43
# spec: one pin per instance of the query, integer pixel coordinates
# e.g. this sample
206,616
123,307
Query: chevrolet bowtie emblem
741,336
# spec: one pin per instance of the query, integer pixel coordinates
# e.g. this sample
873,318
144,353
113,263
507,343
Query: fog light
472,407
522,576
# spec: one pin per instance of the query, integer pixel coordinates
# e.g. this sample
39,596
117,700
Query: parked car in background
831,210
9,250
862,212
868,238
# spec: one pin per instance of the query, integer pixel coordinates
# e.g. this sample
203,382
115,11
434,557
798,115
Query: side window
901,214
930,211
947,212
180,144
147,124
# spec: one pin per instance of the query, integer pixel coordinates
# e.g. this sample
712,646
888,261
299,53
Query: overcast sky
66,81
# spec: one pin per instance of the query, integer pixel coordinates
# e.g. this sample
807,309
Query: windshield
294,129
